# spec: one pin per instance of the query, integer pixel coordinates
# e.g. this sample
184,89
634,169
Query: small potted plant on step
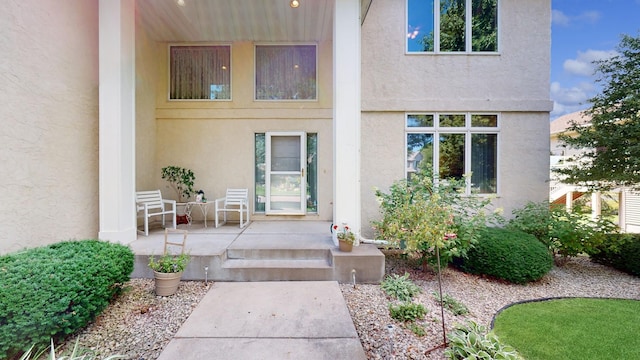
346,237
167,271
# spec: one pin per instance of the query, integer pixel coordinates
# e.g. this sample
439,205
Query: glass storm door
285,173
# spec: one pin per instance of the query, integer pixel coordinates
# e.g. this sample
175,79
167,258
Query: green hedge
620,251
53,291
508,254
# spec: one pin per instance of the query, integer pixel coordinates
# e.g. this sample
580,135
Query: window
452,26
452,145
200,73
286,72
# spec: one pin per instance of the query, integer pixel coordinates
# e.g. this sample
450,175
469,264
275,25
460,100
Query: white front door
286,185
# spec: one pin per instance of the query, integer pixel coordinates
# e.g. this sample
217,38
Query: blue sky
583,31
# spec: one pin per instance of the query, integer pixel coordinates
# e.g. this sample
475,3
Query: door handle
302,172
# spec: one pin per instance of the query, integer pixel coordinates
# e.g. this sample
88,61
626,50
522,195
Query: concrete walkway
268,320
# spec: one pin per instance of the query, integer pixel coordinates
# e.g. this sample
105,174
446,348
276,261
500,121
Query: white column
346,114
622,210
569,201
596,205
117,120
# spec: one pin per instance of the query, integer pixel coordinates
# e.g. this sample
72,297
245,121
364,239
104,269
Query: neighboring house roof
561,124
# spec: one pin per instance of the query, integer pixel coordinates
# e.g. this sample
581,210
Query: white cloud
559,18
583,65
591,17
570,99
574,95
577,67
561,109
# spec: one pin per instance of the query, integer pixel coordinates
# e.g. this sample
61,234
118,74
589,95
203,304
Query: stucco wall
523,159
516,79
49,112
513,83
216,139
147,51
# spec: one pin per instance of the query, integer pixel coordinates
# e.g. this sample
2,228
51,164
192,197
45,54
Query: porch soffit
237,20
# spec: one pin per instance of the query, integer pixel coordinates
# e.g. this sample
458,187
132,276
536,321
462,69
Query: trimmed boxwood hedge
620,251
511,255
53,291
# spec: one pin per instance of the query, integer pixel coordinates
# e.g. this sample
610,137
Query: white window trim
229,45
255,71
468,130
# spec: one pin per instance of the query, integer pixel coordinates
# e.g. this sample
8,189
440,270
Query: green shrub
507,254
407,311
620,251
451,304
473,342
535,219
400,287
564,233
52,291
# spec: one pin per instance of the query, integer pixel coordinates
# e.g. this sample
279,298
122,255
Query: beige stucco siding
513,83
49,112
523,160
216,139
147,68
517,78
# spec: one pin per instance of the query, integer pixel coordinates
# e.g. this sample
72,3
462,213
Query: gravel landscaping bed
139,324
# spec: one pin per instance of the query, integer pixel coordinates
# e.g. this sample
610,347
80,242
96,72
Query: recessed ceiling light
294,3
180,2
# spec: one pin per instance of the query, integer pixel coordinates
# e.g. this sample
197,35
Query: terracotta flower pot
167,283
345,246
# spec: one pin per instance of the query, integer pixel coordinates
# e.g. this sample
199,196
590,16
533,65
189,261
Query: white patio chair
152,204
236,200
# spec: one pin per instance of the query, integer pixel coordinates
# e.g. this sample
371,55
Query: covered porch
144,128
264,251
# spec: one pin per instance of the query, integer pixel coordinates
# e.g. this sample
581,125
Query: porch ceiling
236,20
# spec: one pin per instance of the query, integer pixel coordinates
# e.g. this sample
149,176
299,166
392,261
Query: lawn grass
576,328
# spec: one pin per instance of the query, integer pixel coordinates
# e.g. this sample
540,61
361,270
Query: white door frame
298,172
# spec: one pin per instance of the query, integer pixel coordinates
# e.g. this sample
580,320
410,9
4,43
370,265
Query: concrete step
278,269
276,264
278,254
266,251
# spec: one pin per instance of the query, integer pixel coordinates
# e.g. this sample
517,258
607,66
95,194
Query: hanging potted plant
181,181
167,271
346,238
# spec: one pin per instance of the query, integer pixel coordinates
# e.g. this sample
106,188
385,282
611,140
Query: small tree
425,218
181,181
611,154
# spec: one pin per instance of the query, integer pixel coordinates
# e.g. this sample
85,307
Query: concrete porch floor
263,251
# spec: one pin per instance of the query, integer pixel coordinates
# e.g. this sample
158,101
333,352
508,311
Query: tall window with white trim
452,26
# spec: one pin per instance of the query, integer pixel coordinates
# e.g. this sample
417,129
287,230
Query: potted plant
167,271
181,181
346,238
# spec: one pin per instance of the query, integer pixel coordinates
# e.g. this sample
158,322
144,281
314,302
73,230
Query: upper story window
454,144
200,72
452,26
286,72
